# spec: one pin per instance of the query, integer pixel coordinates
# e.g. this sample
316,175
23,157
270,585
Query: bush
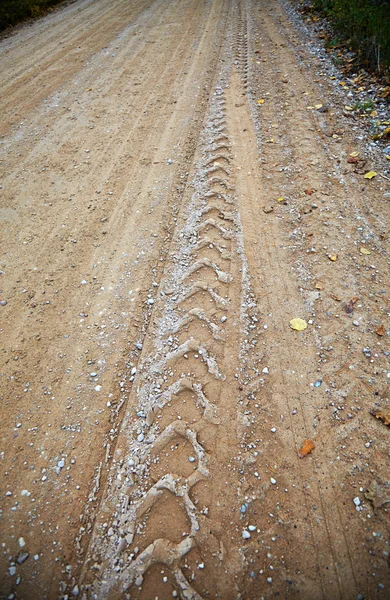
14,11
364,24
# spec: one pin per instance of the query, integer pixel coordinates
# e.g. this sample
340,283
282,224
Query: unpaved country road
159,229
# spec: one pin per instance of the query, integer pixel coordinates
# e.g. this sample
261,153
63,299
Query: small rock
356,501
138,346
139,580
98,388
252,528
246,535
12,570
22,556
273,481
268,209
3,302
191,459
141,437
21,542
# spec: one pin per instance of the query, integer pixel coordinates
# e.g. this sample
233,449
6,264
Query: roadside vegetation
15,11
363,25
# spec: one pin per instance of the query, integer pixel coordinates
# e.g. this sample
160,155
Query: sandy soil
171,198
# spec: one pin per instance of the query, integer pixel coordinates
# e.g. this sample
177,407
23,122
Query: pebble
273,481
141,437
246,535
273,429
12,570
223,319
356,323
138,346
22,557
139,580
75,590
61,464
191,459
317,383
201,566
3,302
98,388
356,501
21,542
244,508
93,374
84,282
252,528
266,370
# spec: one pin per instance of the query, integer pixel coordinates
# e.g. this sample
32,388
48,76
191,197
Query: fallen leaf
364,251
380,330
298,324
374,113
382,415
370,175
332,257
280,199
348,107
319,286
351,305
354,154
307,447
318,106
378,493
337,298
260,101
353,160
309,192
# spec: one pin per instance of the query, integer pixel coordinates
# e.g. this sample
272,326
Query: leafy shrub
364,24
14,11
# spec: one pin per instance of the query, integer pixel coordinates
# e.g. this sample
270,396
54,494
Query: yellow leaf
354,154
319,286
332,257
388,157
280,199
309,107
318,106
374,113
298,324
364,251
343,83
347,107
370,175
260,101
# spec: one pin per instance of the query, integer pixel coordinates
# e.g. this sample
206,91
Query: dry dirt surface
172,196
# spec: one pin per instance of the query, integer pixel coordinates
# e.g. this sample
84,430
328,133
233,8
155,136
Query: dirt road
171,198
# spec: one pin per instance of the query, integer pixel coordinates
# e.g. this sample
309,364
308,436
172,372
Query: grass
364,25
15,11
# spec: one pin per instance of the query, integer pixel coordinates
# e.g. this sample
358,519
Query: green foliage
364,24
14,11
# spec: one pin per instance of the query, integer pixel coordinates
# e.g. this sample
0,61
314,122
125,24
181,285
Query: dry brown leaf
319,286
378,493
332,257
337,298
382,415
380,330
309,192
351,305
307,447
